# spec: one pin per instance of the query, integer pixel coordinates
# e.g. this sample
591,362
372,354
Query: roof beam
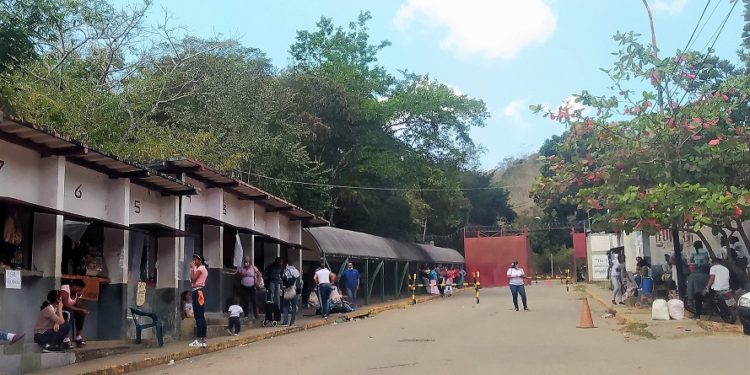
12,138
261,197
279,209
133,174
302,218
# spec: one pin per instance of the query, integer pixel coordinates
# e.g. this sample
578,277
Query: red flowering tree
667,150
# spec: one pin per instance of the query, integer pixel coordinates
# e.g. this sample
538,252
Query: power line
371,188
721,29
717,33
687,45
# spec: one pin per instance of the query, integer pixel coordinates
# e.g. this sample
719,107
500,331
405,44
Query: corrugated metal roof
442,254
346,243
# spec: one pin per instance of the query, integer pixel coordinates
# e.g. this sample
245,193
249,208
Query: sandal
67,345
80,343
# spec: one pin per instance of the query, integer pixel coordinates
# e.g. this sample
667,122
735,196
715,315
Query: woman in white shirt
516,284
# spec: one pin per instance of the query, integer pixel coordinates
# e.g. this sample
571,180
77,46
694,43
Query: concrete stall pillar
48,229
213,252
168,261
46,249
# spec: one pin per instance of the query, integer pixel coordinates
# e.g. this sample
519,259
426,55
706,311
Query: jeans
324,296
52,338
275,289
289,306
199,310
4,336
77,320
698,299
616,288
515,290
247,299
352,293
234,324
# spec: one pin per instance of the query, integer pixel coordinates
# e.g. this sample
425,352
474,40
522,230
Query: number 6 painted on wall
78,193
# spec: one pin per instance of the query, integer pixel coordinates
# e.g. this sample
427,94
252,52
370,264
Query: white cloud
514,111
489,28
670,7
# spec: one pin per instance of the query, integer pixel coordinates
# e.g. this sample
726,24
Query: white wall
236,212
19,175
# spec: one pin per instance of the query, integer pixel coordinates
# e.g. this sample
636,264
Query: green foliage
96,73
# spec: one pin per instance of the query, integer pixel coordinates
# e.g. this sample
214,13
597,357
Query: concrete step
39,361
101,349
10,364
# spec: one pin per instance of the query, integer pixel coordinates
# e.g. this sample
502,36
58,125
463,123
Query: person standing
615,276
516,283
696,285
248,274
291,280
198,276
323,282
433,281
740,257
273,281
350,281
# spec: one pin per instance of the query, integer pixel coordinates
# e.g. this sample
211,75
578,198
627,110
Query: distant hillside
518,175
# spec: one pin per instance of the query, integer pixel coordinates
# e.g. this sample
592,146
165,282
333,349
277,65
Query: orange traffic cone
586,321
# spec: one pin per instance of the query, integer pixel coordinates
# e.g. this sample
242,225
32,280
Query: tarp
491,256
350,244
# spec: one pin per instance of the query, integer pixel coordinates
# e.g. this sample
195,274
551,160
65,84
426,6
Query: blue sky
510,53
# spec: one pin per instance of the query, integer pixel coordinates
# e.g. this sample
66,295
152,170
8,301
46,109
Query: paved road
454,335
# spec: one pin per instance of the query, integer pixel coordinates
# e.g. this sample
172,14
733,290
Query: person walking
350,281
248,274
516,283
292,283
198,276
615,276
323,282
234,311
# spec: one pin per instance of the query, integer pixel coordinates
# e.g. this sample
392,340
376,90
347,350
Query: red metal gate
491,252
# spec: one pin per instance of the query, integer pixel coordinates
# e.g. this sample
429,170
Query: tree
644,164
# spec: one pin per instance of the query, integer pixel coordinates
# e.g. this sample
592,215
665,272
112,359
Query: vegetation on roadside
638,329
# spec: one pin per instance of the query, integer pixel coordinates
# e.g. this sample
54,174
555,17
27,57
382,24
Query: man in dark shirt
273,280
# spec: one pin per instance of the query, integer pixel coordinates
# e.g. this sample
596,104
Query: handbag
312,301
290,293
259,283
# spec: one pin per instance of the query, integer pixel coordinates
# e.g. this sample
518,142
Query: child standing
235,311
